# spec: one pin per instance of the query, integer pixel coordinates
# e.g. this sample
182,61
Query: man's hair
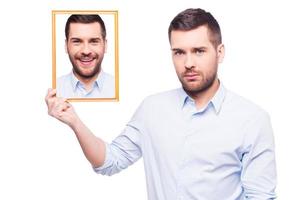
85,19
190,19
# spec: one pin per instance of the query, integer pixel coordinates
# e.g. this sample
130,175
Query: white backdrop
40,157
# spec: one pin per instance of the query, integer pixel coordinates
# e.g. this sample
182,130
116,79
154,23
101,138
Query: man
200,141
86,44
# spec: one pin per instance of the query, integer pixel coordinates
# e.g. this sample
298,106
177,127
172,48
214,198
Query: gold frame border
116,27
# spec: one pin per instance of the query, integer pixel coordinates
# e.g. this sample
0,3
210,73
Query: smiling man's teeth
86,60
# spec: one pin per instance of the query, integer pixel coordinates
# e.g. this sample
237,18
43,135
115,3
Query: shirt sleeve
259,168
125,149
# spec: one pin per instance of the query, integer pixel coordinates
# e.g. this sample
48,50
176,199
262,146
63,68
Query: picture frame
60,60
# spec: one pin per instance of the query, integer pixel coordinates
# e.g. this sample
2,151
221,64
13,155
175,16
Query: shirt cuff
107,161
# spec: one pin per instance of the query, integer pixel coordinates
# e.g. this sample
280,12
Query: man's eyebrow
199,48
194,48
203,47
176,49
75,38
96,38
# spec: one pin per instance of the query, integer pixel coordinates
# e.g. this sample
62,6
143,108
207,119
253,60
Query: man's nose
189,62
85,49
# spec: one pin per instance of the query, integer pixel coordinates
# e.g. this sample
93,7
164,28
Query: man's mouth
190,76
86,61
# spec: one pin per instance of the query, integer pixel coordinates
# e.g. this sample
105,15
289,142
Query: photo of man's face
81,40
86,46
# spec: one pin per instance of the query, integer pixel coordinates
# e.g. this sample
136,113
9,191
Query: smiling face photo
86,48
87,69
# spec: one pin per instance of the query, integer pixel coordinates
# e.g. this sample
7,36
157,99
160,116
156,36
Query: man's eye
76,42
178,53
199,51
95,42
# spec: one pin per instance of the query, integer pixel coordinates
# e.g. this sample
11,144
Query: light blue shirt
224,151
68,86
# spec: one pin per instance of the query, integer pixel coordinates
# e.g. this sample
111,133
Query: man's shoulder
165,94
62,79
108,77
64,85
244,105
160,98
159,103
107,82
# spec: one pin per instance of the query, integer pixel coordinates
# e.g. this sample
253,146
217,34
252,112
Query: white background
63,64
40,157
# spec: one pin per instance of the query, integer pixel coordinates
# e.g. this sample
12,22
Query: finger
64,101
61,100
65,107
59,103
68,104
57,108
62,110
51,93
54,102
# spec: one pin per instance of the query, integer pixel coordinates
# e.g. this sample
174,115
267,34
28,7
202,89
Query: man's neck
202,98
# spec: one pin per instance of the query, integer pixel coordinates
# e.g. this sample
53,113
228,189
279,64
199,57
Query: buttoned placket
191,115
82,91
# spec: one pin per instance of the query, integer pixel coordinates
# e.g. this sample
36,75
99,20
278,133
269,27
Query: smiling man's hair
85,19
190,19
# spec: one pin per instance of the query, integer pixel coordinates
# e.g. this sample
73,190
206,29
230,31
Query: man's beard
198,86
89,75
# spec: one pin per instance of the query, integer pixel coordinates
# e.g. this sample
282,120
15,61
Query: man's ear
105,43
220,52
66,45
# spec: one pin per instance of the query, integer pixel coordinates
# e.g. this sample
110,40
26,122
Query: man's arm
92,147
259,167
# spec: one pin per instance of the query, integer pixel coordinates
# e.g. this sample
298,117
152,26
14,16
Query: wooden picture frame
60,59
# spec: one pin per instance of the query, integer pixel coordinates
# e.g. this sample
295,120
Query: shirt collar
217,100
74,81
99,81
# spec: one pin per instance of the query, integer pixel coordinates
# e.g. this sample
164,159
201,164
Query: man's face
86,47
195,58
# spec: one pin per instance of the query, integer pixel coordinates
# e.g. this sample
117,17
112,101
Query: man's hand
93,147
60,109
